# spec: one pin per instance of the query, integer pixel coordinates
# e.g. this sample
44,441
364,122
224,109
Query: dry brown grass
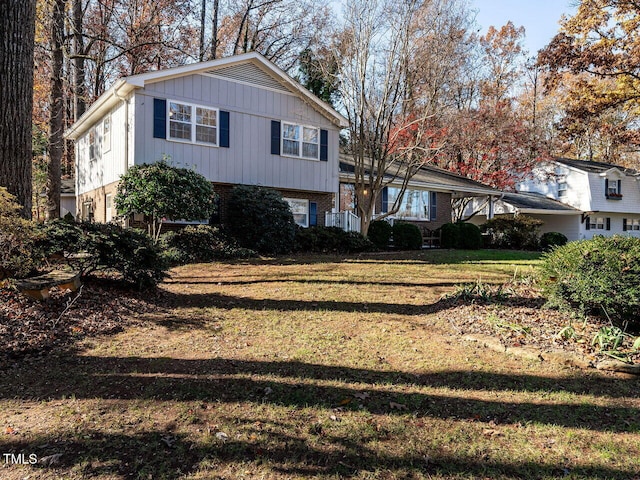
317,367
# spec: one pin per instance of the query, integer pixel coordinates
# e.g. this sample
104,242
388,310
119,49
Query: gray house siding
248,159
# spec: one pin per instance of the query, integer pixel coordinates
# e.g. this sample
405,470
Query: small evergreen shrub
261,220
406,236
201,243
379,233
450,235
470,236
331,240
600,276
90,247
18,256
517,233
548,240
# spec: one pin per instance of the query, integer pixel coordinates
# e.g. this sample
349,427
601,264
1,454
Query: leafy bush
600,276
518,233
548,240
201,243
261,220
470,236
450,235
90,247
406,236
379,233
331,240
160,190
18,256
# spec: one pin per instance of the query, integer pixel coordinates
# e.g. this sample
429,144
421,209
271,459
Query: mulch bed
520,319
30,327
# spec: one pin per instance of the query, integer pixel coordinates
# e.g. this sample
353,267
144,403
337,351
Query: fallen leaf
345,401
361,395
222,436
168,440
397,406
51,459
10,431
490,432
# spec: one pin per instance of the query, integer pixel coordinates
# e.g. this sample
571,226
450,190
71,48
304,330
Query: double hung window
300,141
193,123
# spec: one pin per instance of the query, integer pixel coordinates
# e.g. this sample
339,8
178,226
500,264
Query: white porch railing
347,221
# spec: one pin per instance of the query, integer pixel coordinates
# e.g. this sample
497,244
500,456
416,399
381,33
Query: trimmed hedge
406,236
461,235
201,243
516,233
379,233
450,235
331,240
261,220
599,276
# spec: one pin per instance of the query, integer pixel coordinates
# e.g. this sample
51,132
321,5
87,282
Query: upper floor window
300,141
106,133
562,186
193,123
613,188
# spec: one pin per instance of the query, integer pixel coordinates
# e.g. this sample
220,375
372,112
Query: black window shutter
385,200
275,137
324,145
619,187
624,224
608,223
433,207
224,129
588,223
606,187
313,214
159,118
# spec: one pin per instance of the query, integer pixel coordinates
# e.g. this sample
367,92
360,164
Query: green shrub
90,247
600,276
18,256
379,233
261,220
470,236
201,243
450,235
331,240
406,236
548,240
517,233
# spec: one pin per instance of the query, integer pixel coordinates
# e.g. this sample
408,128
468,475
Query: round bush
450,235
600,276
331,240
470,236
201,243
406,236
518,233
548,240
380,233
261,220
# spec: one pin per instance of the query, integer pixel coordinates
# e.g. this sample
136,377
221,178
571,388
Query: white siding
630,202
110,164
248,160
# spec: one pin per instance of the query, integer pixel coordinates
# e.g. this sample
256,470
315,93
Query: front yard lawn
312,367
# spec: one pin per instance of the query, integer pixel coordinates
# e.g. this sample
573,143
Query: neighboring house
67,197
427,201
607,196
236,120
555,216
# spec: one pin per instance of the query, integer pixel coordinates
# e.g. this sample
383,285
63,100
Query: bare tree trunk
203,17
80,90
56,124
17,18
214,30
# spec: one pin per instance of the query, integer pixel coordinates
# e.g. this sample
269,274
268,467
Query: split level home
236,120
577,198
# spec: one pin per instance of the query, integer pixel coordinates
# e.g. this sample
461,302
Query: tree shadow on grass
297,385
147,455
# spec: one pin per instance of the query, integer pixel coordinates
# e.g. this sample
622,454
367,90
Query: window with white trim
631,224
414,205
562,186
596,223
106,133
300,141
93,145
612,187
192,123
300,209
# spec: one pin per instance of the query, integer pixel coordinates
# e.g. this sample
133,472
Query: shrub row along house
242,121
